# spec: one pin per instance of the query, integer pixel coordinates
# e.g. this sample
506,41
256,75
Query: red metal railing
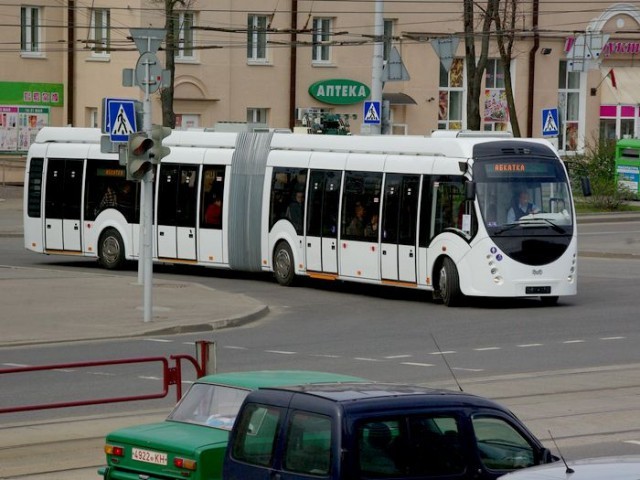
170,376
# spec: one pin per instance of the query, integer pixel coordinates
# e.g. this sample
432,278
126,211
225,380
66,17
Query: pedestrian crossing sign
120,119
550,122
371,113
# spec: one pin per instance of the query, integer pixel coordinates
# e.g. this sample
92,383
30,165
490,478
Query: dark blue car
376,431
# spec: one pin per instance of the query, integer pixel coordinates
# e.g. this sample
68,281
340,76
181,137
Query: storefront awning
398,99
627,86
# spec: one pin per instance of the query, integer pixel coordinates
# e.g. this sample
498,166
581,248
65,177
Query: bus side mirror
469,190
586,186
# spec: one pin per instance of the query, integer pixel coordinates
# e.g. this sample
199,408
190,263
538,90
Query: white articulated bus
439,213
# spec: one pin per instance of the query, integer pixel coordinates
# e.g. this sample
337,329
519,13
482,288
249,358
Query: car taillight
114,450
185,463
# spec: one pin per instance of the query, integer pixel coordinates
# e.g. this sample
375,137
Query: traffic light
138,161
157,151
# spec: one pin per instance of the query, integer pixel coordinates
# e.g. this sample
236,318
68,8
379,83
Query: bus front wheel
283,267
449,284
111,249
549,301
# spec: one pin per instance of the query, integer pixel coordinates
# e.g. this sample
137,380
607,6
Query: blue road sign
372,113
120,119
550,122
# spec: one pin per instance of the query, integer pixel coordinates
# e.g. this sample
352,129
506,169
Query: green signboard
339,91
32,94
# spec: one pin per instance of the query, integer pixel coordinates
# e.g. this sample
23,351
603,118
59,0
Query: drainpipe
293,64
71,73
532,66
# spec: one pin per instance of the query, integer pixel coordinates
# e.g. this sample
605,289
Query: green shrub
597,163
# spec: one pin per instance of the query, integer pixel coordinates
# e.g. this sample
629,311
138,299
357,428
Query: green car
191,442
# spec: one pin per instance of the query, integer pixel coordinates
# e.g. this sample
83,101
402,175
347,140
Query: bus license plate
537,290
148,456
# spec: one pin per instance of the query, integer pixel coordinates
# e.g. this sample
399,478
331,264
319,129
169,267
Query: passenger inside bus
371,230
213,214
295,211
357,224
115,198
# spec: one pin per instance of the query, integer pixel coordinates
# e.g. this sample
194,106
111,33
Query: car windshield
209,405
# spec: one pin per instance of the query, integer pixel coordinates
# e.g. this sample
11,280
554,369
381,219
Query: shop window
451,96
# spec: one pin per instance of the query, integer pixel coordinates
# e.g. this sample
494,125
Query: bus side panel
281,230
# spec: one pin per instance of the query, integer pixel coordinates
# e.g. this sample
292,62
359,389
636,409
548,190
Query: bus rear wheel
111,249
283,268
449,284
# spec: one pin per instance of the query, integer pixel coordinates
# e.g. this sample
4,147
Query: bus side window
286,185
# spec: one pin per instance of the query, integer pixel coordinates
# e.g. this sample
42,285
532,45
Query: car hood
168,436
611,468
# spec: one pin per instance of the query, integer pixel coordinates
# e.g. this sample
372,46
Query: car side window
308,447
415,446
500,445
258,428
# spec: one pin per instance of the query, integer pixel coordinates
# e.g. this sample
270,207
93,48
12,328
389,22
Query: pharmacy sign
339,91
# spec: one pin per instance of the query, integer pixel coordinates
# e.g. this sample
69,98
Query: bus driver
521,207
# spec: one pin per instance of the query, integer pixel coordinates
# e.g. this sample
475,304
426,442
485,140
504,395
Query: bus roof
460,146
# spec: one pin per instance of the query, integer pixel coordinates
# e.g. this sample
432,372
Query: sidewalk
37,308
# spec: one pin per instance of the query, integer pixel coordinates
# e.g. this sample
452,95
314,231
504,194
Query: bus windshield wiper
535,222
553,225
508,226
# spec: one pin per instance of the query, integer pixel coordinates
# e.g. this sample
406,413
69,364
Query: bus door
322,220
359,234
399,221
210,236
63,205
176,211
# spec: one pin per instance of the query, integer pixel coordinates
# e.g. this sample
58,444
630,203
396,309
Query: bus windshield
524,198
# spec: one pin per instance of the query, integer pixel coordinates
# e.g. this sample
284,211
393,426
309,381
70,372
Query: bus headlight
498,280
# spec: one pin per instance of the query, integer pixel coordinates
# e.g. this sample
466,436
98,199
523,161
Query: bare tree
505,18
476,66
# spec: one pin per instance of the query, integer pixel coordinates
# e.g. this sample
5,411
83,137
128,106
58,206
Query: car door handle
162,234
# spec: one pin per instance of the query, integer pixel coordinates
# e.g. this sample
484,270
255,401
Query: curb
235,321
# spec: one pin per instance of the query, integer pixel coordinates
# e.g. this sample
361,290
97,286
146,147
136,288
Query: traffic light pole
147,204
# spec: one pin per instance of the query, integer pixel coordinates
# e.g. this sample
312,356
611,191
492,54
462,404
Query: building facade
307,64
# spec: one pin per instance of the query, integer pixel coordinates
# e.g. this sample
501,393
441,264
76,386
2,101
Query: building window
30,29
184,36
257,115
92,119
321,38
618,121
451,96
100,31
496,110
388,39
568,108
257,38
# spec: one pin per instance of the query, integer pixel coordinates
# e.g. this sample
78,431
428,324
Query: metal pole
377,65
147,189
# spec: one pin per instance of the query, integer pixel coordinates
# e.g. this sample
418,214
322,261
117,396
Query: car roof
252,380
351,393
612,468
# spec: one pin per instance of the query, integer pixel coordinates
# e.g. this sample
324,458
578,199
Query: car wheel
111,249
283,268
449,284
